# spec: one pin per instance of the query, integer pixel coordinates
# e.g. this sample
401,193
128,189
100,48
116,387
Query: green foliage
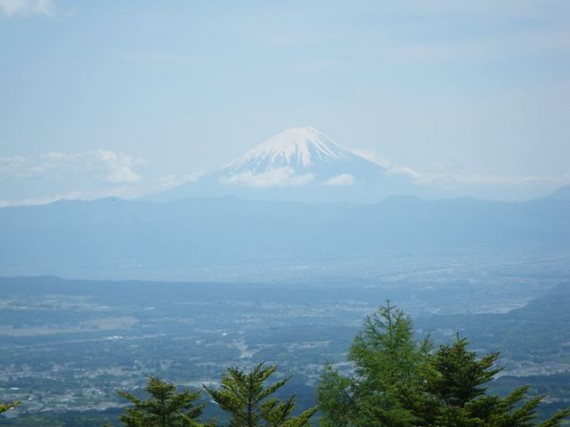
164,408
455,386
401,382
336,398
5,406
249,401
387,362
458,375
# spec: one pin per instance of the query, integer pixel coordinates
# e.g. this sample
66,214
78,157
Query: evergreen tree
164,408
336,399
455,384
399,382
385,389
249,401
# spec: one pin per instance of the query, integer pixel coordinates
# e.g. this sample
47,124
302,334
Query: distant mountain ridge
113,238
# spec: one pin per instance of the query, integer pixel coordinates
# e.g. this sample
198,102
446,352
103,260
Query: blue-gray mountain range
113,238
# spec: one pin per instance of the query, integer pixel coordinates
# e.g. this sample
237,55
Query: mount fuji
297,157
300,164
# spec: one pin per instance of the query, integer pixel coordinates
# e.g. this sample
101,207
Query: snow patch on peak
298,157
301,146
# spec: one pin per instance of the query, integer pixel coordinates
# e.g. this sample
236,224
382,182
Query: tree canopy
250,402
164,408
399,381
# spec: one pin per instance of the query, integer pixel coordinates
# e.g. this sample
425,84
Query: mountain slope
295,147
304,156
299,164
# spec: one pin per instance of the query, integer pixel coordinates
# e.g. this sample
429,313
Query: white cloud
27,7
78,176
88,175
170,181
390,166
100,165
455,181
451,180
11,165
343,180
279,177
492,187
129,191
119,167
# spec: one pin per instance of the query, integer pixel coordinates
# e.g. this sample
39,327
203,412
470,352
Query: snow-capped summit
297,157
294,147
299,164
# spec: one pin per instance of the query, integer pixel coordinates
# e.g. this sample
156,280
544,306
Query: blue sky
123,98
